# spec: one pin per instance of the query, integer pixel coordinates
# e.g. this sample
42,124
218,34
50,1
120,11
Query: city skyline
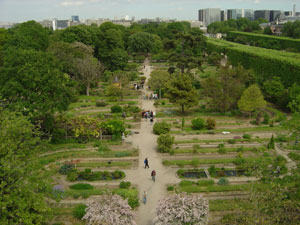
20,10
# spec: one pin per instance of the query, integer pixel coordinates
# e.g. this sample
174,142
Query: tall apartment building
248,13
75,19
223,15
275,14
210,15
262,14
234,14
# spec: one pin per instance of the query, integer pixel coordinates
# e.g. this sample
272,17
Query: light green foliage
20,202
291,29
161,128
158,80
165,143
251,100
114,92
181,92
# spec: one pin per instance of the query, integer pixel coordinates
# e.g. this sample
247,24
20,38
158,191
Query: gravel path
146,142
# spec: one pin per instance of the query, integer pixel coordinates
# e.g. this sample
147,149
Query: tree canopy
180,91
252,99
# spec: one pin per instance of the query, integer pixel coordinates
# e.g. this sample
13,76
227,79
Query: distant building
288,13
75,19
262,14
234,14
60,24
275,15
294,10
210,15
248,13
47,24
223,15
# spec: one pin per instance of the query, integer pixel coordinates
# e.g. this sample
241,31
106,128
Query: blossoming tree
109,209
182,209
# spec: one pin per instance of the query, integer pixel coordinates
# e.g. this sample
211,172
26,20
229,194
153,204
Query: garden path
145,140
290,163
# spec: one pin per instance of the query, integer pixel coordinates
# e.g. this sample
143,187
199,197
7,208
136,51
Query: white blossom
109,209
181,209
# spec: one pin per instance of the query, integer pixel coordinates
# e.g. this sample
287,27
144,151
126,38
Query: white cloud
256,1
71,3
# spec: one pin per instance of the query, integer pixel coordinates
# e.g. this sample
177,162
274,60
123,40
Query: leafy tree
143,42
20,202
28,35
225,89
294,98
252,99
275,91
110,48
165,143
158,80
189,50
291,29
79,33
180,91
32,83
89,71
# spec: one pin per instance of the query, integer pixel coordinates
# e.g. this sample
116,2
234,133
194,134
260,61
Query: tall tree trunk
88,89
182,109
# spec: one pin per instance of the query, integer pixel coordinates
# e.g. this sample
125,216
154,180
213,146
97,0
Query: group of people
138,86
153,175
148,115
151,96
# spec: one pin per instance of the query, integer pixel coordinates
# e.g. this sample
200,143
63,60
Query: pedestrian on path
145,197
146,163
153,174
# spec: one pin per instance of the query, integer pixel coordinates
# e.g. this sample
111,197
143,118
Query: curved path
146,142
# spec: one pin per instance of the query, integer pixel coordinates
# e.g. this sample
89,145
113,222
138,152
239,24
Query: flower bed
191,173
88,175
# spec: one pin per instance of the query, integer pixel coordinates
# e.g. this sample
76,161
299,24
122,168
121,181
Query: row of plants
264,41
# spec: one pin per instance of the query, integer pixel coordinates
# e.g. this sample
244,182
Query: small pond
230,173
194,174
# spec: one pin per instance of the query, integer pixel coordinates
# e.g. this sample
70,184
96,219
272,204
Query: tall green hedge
266,63
264,41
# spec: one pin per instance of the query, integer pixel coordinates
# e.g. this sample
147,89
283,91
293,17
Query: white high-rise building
210,15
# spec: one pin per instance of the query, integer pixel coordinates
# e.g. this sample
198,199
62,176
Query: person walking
153,174
146,163
145,197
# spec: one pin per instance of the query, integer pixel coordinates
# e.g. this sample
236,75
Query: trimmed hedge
266,63
264,41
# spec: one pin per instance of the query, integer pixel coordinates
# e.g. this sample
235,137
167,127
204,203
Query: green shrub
205,182
72,176
133,202
102,147
186,183
101,104
165,142
211,123
125,185
212,171
231,141
161,128
79,211
247,136
81,186
66,168
198,124
223,181
170,188
116,109
271,144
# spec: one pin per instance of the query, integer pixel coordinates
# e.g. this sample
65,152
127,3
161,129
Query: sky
23,10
